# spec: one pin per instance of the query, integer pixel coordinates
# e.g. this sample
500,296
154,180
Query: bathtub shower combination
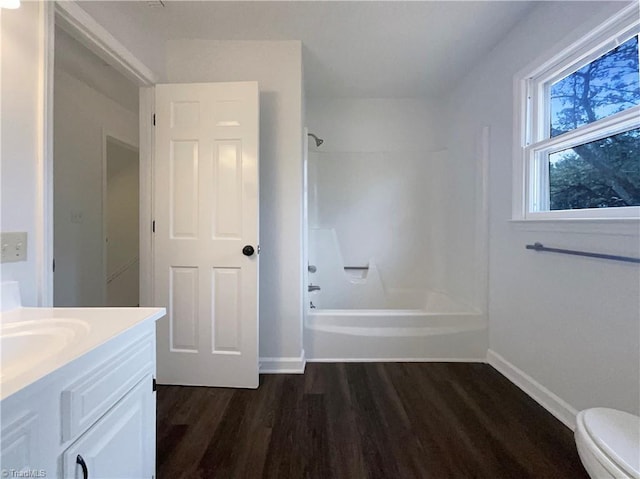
377,273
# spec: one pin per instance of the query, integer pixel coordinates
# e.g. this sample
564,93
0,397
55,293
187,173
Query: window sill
593,226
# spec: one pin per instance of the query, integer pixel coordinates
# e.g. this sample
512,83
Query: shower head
319,141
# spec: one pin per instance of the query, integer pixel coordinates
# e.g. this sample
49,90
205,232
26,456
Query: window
580,131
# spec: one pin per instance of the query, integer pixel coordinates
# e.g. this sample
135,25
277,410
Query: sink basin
25,344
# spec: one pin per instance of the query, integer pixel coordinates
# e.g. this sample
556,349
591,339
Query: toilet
608,443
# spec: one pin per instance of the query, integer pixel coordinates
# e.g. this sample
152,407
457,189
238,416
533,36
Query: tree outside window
603,173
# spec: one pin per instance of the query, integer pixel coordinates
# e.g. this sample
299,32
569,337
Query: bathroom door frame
114,138
81,26
305,232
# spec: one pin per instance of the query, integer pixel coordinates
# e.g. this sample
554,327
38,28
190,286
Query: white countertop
60,335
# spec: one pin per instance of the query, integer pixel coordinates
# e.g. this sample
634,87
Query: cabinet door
19,443
122,443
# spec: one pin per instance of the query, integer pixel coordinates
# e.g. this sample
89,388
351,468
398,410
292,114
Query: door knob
248,250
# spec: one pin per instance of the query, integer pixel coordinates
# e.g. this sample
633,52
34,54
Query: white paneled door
206,233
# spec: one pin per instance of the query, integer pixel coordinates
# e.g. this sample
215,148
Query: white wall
146,44
21,47
382,180
80,62
123,221
376,124
277,66
82,118
570,323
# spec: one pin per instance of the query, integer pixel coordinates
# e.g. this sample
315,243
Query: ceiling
350,49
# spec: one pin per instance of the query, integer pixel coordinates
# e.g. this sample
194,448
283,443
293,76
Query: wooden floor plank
360,421
260,417
345,450
379,462
284,435
208,407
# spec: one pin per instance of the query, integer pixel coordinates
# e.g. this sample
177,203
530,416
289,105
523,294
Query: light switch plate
13,247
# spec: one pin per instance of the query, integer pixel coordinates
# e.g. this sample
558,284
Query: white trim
104,212
396,360
481,256
110,136
283,365
123,269
73,19
80,25
563,411
145,155
603,128
536,160
590,226
37,246
44,187
521,100
305,233
584,44
630,213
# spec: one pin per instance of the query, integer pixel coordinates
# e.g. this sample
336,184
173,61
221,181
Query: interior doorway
96,177
122,223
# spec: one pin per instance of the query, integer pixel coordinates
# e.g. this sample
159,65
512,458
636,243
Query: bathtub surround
382,191
375,210
388,185
370,204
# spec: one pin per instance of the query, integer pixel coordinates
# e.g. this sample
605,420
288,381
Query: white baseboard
548,400
283,365
563,411
396,360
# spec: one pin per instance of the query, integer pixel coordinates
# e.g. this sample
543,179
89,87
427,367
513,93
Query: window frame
532,140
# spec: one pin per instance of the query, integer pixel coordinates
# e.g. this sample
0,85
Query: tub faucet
313,287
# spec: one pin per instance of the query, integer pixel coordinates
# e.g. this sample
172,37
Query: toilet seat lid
617,434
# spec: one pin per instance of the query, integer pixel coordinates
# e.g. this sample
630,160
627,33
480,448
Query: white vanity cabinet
120,444
21,445
93,417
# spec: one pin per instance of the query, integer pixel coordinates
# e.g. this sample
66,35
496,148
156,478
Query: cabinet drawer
86,400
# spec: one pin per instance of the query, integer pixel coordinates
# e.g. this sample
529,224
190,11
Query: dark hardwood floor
364,420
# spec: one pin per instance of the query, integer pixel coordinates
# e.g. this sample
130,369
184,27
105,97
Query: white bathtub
442,331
